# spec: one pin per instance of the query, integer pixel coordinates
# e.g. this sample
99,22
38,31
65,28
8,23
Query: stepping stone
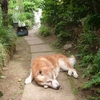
30,38
34,55
40,48
35,41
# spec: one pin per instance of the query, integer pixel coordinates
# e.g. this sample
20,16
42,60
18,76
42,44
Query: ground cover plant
7,42
7,48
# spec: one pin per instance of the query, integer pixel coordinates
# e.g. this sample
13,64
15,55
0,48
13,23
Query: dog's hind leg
29,79
66,66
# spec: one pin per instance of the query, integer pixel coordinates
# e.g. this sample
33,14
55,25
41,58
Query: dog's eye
49,82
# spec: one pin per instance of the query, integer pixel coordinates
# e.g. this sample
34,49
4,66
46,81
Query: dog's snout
58,87
55,84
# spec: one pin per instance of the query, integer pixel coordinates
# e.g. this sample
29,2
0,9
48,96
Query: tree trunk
4,7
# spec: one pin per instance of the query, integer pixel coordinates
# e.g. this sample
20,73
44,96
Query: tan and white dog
45,69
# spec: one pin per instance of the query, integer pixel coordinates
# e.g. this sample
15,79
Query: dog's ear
40,72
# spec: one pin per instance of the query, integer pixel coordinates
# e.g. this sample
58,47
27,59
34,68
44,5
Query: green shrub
61,26
29,6
93,68
57,44
88,47
51,12
7,43
44,31
92,22
27,18
94,98
95,80
64,36
61,39
61,30
64,28
7,38
28,23
29,15
88,43
26,15
22,17
63,33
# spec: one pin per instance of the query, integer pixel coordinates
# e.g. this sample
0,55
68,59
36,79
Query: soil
12,85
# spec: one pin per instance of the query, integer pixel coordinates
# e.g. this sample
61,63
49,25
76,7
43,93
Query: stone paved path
33,91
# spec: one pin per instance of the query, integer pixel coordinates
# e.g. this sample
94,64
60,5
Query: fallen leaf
19,80
3,77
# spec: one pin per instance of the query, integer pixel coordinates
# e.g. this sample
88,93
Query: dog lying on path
45,69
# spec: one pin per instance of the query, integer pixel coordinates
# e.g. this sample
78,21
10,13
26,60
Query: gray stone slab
40,48
30,38
35,41
34,92
34,55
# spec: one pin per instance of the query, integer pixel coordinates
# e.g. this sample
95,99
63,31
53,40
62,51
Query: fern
92,22
94,98
89,44
94,69
94,81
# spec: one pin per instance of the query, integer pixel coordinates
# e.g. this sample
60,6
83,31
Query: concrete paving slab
34,55
35,41
30,38
34,92
40,48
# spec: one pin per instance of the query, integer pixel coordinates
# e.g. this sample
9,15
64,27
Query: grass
7,43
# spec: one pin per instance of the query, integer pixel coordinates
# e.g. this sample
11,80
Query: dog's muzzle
57,87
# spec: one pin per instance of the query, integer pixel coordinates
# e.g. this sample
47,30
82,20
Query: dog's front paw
45,86
28,80
75,74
